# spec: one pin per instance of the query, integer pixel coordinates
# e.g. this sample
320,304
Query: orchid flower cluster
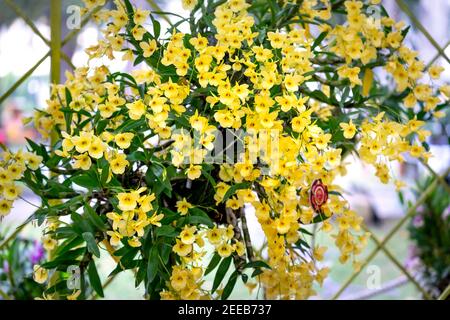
256,106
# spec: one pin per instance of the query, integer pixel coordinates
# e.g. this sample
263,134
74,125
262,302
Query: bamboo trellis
56,44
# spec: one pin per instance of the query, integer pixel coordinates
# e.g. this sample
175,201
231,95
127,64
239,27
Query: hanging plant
256,106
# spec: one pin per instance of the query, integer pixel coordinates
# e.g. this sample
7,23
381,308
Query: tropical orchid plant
256,106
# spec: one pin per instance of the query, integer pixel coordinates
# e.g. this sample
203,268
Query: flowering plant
256,106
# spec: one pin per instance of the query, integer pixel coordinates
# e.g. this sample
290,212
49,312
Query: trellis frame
56,43
437,180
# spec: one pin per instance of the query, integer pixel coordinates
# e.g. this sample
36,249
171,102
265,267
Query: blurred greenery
429,230
16,265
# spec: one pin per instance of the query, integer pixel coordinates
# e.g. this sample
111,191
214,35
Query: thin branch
231,219
445,294
247,240
4,295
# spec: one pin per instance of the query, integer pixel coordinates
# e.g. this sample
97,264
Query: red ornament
318,195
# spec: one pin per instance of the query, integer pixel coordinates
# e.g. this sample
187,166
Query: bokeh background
381,205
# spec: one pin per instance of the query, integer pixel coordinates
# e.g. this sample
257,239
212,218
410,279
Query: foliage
138,164
16,266
429,232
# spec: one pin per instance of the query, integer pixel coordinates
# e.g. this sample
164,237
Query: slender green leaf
257,264
213,263
166,231
94,218
91,244
85,181
221,272
319,39
229,286
153,262
94,279
234,188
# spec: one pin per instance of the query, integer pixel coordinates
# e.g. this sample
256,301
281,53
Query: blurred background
381,205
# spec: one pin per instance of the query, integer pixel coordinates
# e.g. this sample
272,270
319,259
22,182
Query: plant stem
4,295
231,219
445,294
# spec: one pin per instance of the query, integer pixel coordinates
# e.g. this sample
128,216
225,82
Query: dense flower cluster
12,168
142,143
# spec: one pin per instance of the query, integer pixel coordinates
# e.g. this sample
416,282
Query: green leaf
130,125
94,218
213,263
401,197
198,216
319,40
80,225
156,176
140,274
169,216
209,177
199,220
53,188
138,60
257,272
122,75
40,215
94,279
165,251
320,218
105,174
302,243
137,156
67,258
229,286
53,161
126,262
38,149
156,27
129,7
305,231
405,31
166,231
221,272
68,244
68,115
85,181
319,95
60,286
257,264
91,244
158,170
336,193
153,262
234,188
101,125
